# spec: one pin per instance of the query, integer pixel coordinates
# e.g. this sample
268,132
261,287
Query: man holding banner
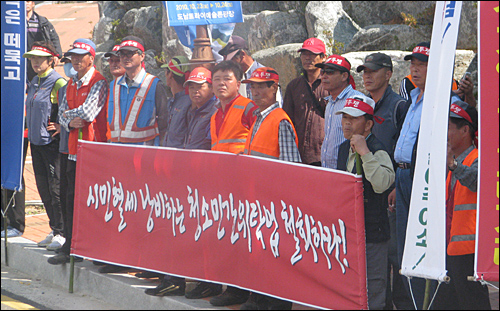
461,205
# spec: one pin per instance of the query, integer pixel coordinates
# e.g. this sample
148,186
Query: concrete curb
120,289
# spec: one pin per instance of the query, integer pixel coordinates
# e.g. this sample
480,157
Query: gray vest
39,108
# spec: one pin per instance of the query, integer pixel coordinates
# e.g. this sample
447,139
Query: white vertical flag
425,245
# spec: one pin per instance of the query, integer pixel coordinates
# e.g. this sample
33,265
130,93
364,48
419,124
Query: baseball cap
179,65
336,62
132,43
420,52
83,46
233,46
199,75
461,110
357,106
114,51
263,74
313,45
39,51
66,58
376,61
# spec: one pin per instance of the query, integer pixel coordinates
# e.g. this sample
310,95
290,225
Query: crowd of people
237,107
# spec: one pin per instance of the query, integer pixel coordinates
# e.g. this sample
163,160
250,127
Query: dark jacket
46,32
306,109
392,108
376,219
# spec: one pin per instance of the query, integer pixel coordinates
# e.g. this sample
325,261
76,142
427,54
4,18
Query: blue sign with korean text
13,72
185,13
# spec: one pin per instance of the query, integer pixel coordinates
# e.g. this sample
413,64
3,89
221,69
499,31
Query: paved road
23,292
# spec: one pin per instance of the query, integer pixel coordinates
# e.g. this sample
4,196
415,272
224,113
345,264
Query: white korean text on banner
185,13
486,263
425,245
262,225
13,89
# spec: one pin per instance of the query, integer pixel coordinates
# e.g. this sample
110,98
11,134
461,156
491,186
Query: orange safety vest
95,130
265,142
463,223
128,131
232,134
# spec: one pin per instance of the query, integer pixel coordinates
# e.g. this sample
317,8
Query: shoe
112,269
47,240
147,275
203,290
57,243
11,232
62,258
166,288
262,302
58,259
232,296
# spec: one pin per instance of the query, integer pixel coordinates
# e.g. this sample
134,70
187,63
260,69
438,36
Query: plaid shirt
288,148
89,110
334,136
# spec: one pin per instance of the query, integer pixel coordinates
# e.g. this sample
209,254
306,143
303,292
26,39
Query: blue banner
13,72
186,13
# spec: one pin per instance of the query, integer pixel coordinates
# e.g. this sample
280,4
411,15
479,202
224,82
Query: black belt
404,165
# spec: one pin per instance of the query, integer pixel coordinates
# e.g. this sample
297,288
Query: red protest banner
487,224
288,230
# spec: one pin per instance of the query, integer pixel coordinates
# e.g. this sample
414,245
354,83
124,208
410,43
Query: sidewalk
123,290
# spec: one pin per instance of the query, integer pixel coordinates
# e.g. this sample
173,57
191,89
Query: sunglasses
127,54
328,71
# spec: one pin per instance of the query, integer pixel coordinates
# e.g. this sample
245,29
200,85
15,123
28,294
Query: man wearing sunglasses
336,79
136,91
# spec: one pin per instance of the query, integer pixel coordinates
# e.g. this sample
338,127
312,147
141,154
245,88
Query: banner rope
435,293
411,292
4,213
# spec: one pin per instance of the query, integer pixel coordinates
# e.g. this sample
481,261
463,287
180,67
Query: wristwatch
454,166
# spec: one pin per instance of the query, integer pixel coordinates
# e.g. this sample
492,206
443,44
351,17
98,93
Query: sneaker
203,290
11,232
62,258
147,275
47,240
166,288
262,302
232,296
57,243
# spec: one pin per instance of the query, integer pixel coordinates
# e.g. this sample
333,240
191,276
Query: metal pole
4,215
71,273
427,294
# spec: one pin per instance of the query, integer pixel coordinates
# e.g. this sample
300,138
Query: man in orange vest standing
137,100
82,112
272,135
461,204
231,123
229,128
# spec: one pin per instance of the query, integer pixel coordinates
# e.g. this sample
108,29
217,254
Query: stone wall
275,31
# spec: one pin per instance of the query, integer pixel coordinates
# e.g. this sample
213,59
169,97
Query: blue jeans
404,184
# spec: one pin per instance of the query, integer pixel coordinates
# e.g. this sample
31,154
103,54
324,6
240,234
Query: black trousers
47,176
16,212
68,190
461,294
396,295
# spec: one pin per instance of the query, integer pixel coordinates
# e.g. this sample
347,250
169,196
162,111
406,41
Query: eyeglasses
328,71
127,54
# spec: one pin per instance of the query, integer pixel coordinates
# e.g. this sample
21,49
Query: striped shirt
334,136
288,148
89,110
